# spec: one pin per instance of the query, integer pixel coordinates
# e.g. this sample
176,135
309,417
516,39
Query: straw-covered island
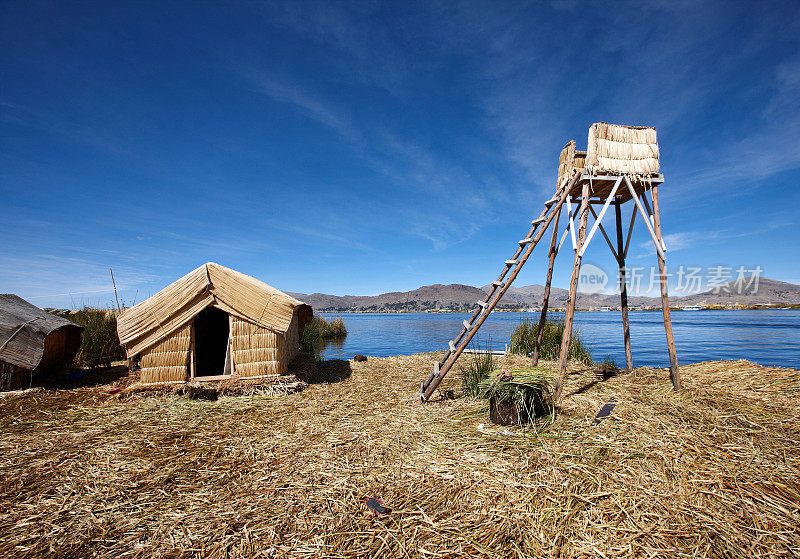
712,470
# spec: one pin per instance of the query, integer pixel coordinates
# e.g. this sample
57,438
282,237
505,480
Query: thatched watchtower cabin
214,323
33,341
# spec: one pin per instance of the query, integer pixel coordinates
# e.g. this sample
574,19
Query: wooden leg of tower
573,294
623,290
546,298
662,268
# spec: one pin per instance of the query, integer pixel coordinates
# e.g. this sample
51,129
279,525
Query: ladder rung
525,241
511,262
497,283
483,304
467,325
452,346
537,221
436,369
551,201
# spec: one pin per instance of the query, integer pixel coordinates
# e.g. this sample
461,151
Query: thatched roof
23,329
242,296
615,148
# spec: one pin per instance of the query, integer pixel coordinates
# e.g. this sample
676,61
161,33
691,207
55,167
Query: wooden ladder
499,287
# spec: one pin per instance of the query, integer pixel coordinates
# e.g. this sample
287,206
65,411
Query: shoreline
556,310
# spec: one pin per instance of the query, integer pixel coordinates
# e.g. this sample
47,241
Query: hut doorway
212,331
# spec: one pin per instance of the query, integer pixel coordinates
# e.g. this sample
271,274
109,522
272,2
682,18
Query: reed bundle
615,148
569,161
711,471
518,395
509,384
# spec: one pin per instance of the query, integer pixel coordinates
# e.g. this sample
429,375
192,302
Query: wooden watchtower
621,164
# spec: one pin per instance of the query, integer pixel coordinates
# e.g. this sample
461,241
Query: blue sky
371,147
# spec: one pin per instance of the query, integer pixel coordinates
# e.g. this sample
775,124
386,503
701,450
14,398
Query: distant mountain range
463,297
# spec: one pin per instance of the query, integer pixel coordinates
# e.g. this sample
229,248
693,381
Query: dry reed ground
712,471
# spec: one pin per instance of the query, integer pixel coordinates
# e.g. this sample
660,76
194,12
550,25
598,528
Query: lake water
765,337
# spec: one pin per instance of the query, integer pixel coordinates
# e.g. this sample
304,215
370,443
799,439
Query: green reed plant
100,343
528,387
478,367
523,340
319,331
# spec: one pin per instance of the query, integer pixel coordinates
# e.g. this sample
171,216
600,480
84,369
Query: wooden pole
546,299
635,196
623,289
573,294
662,268
605,235
115,289
192,357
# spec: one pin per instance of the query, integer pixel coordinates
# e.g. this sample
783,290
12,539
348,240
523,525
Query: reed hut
33,341
214,323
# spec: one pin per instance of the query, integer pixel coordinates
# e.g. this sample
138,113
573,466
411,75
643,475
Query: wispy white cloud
68,281
680,241
358,42
318,232
282,91
692,239
769,146
666,70
412,167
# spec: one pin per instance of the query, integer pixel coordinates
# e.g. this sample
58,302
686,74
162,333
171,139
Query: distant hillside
437,296
769,292
463,297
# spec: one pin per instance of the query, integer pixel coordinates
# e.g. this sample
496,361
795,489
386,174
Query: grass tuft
100,343
523,341
507,384
335,329
479,366
318,332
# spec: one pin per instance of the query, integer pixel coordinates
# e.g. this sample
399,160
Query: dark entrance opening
211,328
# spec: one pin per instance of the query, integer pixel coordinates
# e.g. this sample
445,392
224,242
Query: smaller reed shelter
212,324
33,341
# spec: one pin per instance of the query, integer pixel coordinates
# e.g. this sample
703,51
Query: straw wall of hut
569,161
614,148
214,323
169,359
260,352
